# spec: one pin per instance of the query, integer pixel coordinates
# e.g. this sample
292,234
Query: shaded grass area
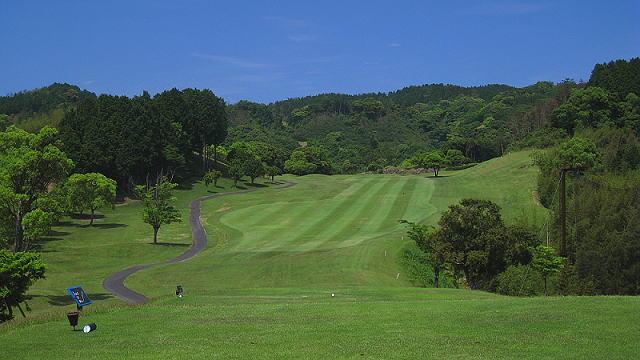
371,323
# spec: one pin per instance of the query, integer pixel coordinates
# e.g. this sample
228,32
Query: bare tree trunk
155,235
17,246
436,275
92,215
545,285
563,214
215,156
20,308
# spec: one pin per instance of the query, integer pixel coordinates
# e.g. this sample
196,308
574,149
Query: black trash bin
73,318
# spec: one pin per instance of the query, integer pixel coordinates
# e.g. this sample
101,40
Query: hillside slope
336,231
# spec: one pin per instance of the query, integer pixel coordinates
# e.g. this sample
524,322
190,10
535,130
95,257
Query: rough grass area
390,323
79,254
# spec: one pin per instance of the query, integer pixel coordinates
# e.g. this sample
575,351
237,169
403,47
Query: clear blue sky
271,50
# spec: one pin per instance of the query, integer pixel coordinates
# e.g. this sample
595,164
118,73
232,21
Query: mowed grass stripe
285,224
341,222
303,220
368,211
278,221
286,229
399,207
256,215
367,228
420,207
338,209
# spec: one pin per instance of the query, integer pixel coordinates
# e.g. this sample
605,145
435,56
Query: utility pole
563,213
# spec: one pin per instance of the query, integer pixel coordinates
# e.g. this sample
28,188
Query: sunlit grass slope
335,231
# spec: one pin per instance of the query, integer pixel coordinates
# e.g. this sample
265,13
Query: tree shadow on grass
255,185
170,244
84,226
240,187
107,226
63,300
55,233
86,216
437,177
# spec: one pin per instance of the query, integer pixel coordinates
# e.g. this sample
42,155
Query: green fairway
325,231
262,287
334,231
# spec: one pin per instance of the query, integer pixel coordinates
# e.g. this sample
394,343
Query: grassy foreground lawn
262,287
389,323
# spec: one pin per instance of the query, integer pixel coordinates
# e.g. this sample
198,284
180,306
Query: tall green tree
211,177
433,160
18,271
29,165
437,251
4,122
272,172
157,199
36,224
90,192
308,160
236,171
206,122
478,243
253,168
546,263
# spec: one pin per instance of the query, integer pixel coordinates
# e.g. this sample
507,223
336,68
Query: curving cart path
115,282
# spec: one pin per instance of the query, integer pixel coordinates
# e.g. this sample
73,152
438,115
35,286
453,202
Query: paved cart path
115,282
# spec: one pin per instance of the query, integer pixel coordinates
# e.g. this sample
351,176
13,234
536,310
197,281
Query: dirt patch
536,198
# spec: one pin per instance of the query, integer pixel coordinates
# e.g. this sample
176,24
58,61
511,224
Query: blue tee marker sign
79,296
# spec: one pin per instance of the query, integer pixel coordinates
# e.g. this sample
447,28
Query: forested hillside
34,109
418,126
371,131
602,167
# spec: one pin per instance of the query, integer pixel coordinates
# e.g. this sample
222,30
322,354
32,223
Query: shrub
519,280
419,270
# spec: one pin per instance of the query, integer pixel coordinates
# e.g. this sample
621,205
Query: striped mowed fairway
327,212
328,231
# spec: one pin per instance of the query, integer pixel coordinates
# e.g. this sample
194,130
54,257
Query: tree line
127,139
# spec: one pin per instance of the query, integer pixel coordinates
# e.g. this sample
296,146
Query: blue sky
271,50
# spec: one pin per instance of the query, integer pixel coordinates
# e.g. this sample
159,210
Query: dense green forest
603,193
371,131
353,132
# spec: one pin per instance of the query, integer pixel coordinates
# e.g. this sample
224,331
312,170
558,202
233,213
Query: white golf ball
333,295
